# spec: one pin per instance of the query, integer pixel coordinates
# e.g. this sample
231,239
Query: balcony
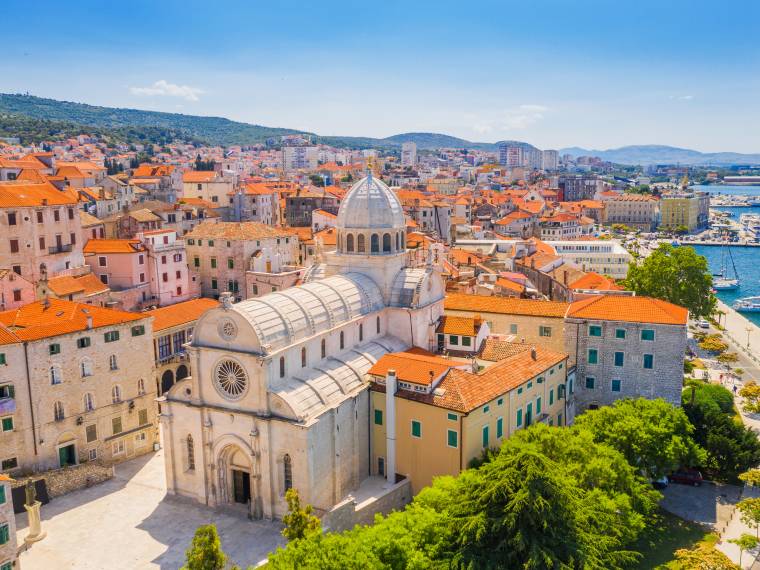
60,249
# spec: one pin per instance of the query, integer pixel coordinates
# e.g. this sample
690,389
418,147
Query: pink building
14,290
170,277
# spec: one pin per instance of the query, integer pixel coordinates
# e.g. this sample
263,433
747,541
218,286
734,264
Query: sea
746,259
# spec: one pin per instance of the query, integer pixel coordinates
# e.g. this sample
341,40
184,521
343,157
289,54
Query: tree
205,552
751,394
750,510
677,275
652,435
751,477
713,343
744,542
727,358
702,557
681,230
317,180
299,522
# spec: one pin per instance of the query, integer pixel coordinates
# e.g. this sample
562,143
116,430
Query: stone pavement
129,523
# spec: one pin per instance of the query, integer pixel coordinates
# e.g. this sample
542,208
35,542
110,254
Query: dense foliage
205,552
675,274
731,448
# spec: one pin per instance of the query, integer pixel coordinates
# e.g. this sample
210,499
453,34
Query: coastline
744,334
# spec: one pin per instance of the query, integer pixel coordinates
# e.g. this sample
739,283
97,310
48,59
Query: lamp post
749,330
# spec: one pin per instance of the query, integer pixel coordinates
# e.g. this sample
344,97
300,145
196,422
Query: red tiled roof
628,309
180,313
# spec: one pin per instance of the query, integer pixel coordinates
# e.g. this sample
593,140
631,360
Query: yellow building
443,415
684,209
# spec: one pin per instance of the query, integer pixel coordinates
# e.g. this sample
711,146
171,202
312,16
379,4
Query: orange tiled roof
88,284
505,306
237,231
23,194
412,367
629,309
180,313
595,281
465,326
495,350
44,319
199,176
510,285
113,246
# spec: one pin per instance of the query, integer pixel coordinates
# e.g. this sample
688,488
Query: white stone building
278,396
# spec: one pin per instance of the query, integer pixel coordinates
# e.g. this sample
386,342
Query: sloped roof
411,366
236,231
505,306
628,309
88,284
113,246
180,313
24,194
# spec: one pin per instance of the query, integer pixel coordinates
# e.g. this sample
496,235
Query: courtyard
129,522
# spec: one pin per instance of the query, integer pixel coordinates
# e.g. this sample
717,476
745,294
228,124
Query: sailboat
722,281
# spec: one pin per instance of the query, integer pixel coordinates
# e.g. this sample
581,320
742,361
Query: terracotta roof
495,350
412,366
144,215
236,231
88,220
510,285
199,176
595,281
180,313
113,246
324,213
22,194
466,326
505,306
88,284
36,320
628,309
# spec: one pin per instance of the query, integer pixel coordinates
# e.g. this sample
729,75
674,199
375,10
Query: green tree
750,510
675,274
299,522
744,542
751,477
205,552
750,392
317,180
653,435
702,557
727,358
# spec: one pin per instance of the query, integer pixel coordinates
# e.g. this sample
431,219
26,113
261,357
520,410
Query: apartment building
633,210
222,252
690,210
300,157
408,154
208,185
40,229
605,257
627,347
431,416
255,202
71,389
8,544
573,188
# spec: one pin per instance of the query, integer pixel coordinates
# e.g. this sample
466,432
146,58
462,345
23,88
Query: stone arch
375,243
350,243
234,462
360,244
398,246
386,243
182,373
167,381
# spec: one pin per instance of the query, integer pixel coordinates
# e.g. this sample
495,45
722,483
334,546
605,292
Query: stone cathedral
278,398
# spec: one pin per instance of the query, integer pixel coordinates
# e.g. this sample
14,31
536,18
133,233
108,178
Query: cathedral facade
278,398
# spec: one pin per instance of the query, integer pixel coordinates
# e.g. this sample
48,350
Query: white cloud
515,118
682,97
165,89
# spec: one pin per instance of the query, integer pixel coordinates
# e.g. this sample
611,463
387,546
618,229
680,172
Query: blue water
747,261
733,190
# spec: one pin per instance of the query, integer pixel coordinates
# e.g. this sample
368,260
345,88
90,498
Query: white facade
278,398
604,257
300,157
408,154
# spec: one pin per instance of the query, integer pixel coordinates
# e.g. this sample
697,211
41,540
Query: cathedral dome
369,205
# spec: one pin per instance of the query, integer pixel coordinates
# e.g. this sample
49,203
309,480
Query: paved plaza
129,523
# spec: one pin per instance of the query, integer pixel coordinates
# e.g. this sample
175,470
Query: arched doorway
234,468
182,372
167,381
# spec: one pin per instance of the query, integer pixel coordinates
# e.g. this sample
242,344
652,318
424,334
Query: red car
687,477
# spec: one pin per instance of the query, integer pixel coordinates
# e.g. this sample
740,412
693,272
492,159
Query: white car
703,324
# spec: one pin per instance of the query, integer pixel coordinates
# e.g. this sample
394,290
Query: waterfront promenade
744,334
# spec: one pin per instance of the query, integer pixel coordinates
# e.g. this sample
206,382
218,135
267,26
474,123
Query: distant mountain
659,154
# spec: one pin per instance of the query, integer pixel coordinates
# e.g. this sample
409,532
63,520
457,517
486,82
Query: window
361,332
486,409
117,447
190,454
142,417
165,277
42,244
11,218
89,402
485,436
538,406
7,423
85,367
10,463
230,263
138,330
499,427
112,364
116,425
377,325
323,348
342,340
102,261
196,261
593,356
649,361
7,391
303,357
55,348
500,402
71,213
58,412
452,438
513,329
616,385
4,533
551,396
452,417
619,358
647,334
466,341
141,387
2,359
39,216
140,259
91,433
116,394
595,330
210,243
519,390
55,375
620,334
83,342
453,340
378,417
287,468
17,295
282,367
178,339
589,382
213,263
14,245
3,499
214,284
519,417
416,429
545,331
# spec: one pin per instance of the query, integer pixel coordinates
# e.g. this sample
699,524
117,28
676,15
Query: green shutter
4,534
485,436
452,438
538,406
416,429
620,333
452,417
593,356
519,418
2,494
499,427
8,424
378,417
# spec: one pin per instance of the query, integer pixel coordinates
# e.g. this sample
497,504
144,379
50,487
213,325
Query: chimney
89,322
533,353
477,319
390,426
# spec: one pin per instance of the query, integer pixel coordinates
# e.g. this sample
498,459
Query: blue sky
555,73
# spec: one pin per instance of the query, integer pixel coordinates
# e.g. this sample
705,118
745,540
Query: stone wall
350,512
62,481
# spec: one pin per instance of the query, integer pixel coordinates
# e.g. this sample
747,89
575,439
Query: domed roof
370,204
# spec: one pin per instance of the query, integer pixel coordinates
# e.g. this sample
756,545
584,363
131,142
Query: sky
597,74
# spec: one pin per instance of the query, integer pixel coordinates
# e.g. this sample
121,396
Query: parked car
660,483
687,477
703,324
